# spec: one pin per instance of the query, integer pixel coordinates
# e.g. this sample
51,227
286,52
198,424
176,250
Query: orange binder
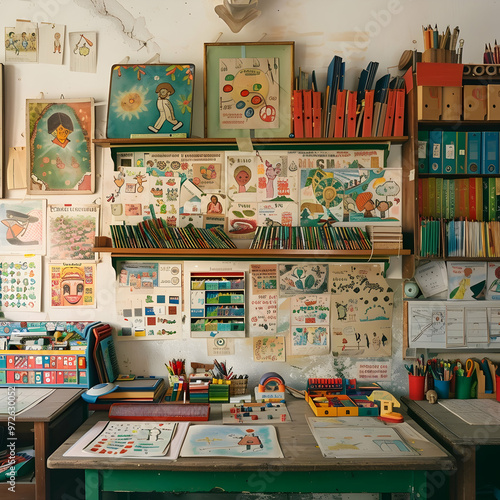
351,113
308,118
298,115
389,117
399,114
340,114
368,115
316,110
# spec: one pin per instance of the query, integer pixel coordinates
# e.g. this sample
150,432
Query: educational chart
269,348
362,303
255,413
72,285
148,297
259,441
310,324
71,230
249,93
23,230
466,280
133,439
21,283
263,299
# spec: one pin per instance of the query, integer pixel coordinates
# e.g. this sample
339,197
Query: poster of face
72,285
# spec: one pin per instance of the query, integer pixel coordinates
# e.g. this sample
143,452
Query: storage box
475,102
238,386
337,405
493,100
429,102
452,103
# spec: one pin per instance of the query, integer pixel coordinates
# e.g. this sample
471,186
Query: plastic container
416,384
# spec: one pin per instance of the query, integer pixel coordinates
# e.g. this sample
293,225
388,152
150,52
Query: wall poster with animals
362,303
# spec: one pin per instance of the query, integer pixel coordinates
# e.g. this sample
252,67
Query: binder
435,152
399,114
381,88
423,152
485,199
439,198
473,152
449,152
472,198
316,98
461,151
308,123
298,115
368,114
351,113
489,153
340,113
492,199
389,117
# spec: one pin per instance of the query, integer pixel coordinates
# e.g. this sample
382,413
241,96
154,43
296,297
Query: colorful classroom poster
249,91
149,299
241,177
72,285
133,439
275,181
24,226
21,283
263,299
242,220
493,281
344,157
307,278
269,348
260,441
72,229
362,303
466,280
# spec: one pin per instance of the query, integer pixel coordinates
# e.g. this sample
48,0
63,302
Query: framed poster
150,100
1,131
248,89
60,153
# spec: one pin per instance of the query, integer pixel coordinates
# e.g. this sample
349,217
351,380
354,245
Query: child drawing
464,284
165,108
57,42
11,42
60,126
17,224
242,175
214,207
24,40
364,202
271,174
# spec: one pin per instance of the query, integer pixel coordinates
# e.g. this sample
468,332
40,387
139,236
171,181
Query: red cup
416,387
497,387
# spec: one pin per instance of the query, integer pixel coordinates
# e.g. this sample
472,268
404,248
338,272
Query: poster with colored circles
249,93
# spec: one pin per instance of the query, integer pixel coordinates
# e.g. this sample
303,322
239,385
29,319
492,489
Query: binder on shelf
439,210
423,152
379,104
389,116
472,198
449,152
492,200
399,114
473,152
368,113
308,117
475,102
340,113
435,152
316,97
485,199
452,103
489,153
351,113
429,101
461,152
493,102
298,114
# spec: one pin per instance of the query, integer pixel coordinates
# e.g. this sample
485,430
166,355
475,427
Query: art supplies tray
330,405
159,411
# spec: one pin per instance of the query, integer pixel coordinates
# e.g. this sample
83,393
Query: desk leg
42,475
463,486
92,485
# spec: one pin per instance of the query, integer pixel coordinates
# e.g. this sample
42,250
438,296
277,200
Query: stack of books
176,390
199,384
218,392
386,237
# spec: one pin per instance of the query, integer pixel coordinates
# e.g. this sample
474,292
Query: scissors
469,367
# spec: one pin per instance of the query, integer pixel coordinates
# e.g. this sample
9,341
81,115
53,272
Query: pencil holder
238,386
442,388
463,387
416,384
497,378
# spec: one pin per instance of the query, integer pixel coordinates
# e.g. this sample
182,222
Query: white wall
359,31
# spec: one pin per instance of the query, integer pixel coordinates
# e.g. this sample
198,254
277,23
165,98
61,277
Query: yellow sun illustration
130,103
378,181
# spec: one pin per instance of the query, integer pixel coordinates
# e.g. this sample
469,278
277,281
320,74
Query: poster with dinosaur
362,303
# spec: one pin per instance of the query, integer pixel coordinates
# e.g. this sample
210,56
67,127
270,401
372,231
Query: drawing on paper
269,348
466,280
72,285
309,278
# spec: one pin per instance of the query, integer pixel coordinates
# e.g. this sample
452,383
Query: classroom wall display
83,54
23,230
72,285
51,43
362,304
466,280
267,348
300,279
263,299
60,151
21,283
21,42
72,229
149,299
150,100
493,281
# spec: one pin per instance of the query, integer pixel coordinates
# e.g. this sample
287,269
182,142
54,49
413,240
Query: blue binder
449,152
489,157
435,152
473,152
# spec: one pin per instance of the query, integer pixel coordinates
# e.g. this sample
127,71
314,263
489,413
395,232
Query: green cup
463,387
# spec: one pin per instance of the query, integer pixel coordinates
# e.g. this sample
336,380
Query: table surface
452,428
50,408
299,447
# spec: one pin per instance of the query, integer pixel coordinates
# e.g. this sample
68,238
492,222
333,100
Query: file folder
489,156
435,152
298,114
308,118
340,113
449,152
317,132
389,117
461,152
368,113
423,152
473,152
399,114
351,113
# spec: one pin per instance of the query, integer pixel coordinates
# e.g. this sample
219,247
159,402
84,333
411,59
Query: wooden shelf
289,142
103,244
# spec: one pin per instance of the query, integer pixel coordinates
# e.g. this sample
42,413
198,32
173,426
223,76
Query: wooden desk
302,470
459,438
46,425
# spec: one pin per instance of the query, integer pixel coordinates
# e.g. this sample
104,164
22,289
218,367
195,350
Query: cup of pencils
416,380
442,374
